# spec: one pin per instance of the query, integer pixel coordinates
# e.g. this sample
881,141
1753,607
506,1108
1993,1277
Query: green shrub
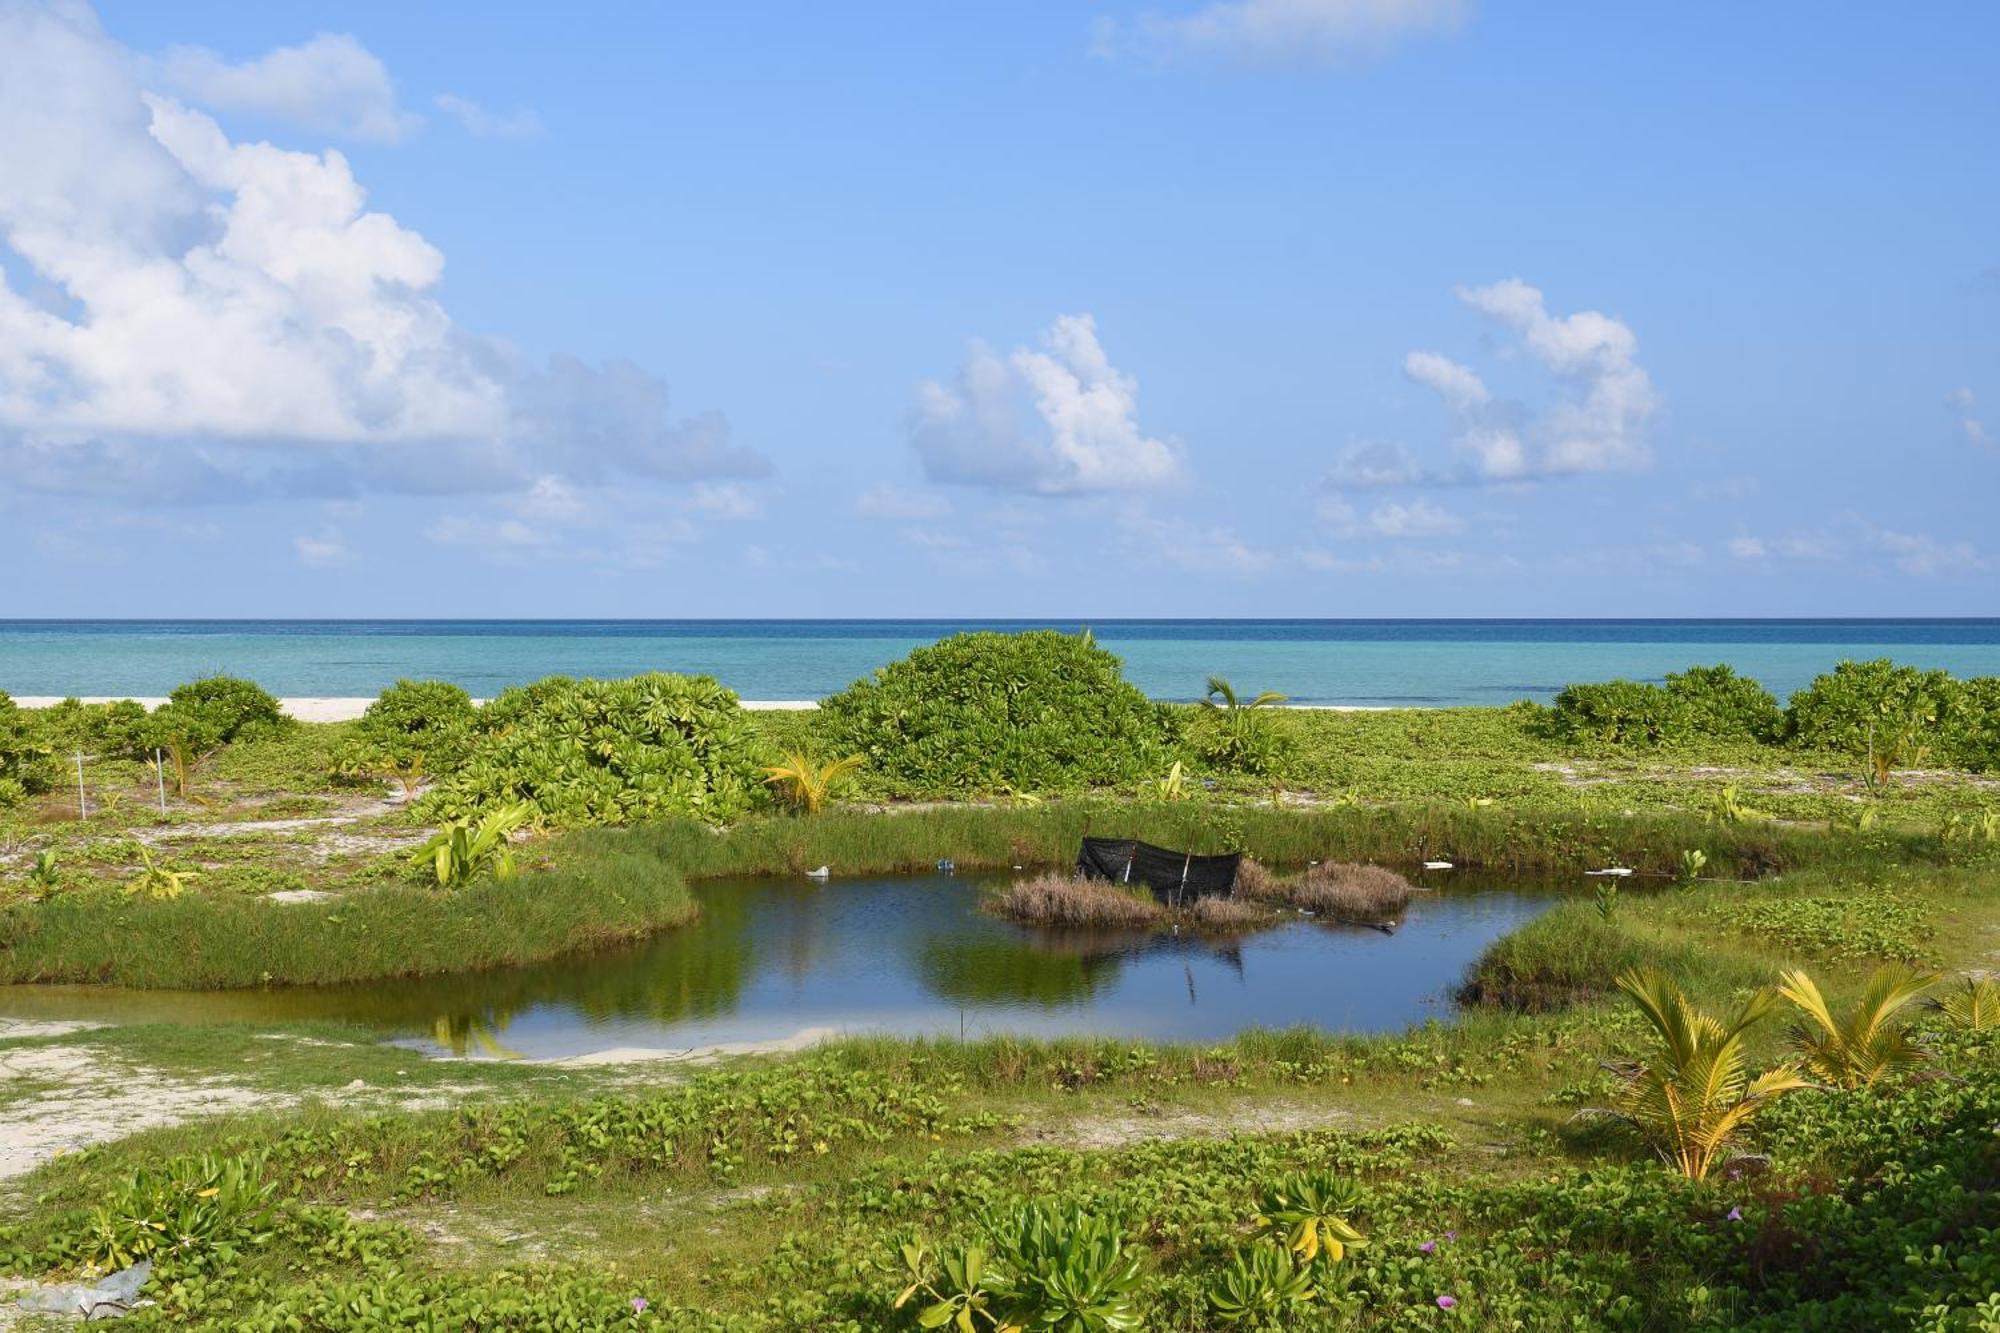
230,708
1972,731
1238,735
429,719
1039,711
1714,701
27,764
1617,712
610,752
1892,716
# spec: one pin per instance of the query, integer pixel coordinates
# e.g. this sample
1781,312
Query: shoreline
346,708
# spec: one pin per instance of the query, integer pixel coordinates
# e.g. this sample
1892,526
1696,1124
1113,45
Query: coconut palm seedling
1693,862
805,784
1242,737
1260,1286
1974,1005
1308,1213
1728,807
157,881
1865,1044
1692,1099
463,851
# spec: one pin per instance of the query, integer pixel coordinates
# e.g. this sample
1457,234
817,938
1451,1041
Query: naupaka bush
1038,711
582,752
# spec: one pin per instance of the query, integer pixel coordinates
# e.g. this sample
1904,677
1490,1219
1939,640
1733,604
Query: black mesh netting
1172,876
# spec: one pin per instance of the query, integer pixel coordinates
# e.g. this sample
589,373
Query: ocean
1383,663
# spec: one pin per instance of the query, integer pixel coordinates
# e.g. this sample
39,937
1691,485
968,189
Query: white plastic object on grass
1616,872
1437,865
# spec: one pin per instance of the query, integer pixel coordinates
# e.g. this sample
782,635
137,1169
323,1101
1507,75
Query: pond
771,960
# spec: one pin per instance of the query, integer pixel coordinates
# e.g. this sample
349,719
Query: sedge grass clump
1227,914
1055,899
1342,890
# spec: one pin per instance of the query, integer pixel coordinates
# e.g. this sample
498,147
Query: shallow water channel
771,959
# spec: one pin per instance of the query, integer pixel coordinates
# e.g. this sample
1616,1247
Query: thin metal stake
82,806
160,771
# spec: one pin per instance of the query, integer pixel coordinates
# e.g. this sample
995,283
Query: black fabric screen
1172,876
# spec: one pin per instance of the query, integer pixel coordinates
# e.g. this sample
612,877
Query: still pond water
773,959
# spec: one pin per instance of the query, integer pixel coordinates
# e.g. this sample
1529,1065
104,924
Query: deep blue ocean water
1367,662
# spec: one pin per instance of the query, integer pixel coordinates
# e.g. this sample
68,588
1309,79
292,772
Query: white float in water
1618,872
1437,865
820,873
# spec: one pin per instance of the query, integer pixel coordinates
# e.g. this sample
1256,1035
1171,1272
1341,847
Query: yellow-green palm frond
1867,1042
1974,1005
805,783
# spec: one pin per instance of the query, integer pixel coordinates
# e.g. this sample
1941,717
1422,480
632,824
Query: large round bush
1973,730
426,720
1714,701
1893,715
1031,712
610,752
26,762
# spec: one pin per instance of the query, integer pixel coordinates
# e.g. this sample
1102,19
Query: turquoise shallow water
1366,662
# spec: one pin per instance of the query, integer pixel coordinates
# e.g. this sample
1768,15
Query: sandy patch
16,1029
805,1039
1119,1131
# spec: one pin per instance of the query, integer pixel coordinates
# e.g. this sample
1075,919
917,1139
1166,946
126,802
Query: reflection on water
768,959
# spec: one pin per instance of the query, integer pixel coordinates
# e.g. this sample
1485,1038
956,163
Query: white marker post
82,806
160,772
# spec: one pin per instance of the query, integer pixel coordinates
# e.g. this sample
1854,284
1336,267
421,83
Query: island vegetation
1757,1089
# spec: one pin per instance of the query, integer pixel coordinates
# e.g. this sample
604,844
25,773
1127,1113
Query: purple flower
1736,1214
1428,1246
639,1305
1451,1235
1447,1302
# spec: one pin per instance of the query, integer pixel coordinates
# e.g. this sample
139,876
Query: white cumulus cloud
331,84
1055,420
1282,33
1596,422
233,318
1966,403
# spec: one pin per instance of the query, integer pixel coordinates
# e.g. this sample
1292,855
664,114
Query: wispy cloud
331,84
892,502
1966,404
521,124
1280,33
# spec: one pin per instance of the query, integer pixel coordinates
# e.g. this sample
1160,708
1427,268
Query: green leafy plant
1890,716
1606,900
1239,735
1971,735
962,1301
1866,1043
1693,1096
1729,808
805,784
1308,1212
45,873
1038,711
465,850
1973,1005
1715,702
413,728
1262,1284
157,881
1171,787
28,764
609,752
193,1213
1616,712
1693,862
1065,1269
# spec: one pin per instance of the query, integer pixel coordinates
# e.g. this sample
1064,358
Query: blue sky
1200,307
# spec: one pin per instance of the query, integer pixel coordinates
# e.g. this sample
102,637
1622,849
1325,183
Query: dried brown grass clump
1339,889
1254,880
1054,899
1228,914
